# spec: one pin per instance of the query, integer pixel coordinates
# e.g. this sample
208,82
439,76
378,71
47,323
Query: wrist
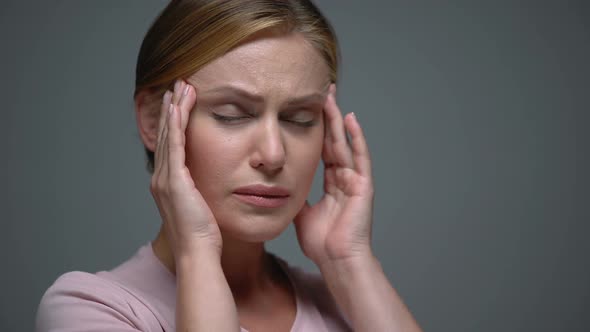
352,265
197,253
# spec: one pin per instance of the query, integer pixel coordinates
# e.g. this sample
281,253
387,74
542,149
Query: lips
263,196
262,190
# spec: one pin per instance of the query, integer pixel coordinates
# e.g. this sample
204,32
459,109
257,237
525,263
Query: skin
213,242
264,141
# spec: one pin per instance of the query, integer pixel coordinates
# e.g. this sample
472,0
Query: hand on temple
188,221
338,227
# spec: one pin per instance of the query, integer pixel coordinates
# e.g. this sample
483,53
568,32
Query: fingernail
170,109
333,89
166,98
176,85
185,91
353,115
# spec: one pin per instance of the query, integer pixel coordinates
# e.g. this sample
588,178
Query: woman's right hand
204,301
188,221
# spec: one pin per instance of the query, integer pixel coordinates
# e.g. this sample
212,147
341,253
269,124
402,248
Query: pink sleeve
80,301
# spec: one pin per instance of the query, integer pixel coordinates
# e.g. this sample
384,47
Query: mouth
263,196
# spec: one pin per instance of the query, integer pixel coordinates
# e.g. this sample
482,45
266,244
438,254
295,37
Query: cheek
211,158
307,155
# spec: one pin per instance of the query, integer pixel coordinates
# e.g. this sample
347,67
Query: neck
247,266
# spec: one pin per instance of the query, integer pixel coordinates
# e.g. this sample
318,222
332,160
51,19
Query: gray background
476,113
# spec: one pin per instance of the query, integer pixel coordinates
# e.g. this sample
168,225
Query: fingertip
349,119
330,106
188,94
330,92
354,121
333,93
187,105
186,89
166,98
332,89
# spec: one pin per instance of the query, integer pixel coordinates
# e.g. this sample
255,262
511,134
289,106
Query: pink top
140,295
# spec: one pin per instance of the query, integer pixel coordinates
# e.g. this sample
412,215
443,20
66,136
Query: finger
178,86
175,149
338,148
162,125
164,144
360,148
186,105
171,137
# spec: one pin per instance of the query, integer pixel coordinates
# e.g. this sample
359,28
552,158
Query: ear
147,116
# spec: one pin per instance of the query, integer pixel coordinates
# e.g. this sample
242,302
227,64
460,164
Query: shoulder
79,297
137,295
80,301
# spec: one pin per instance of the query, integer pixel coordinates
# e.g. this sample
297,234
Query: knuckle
160,187
172,145
154,185
176,185
370,189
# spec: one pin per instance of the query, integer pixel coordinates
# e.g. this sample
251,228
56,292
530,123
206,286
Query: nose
269,149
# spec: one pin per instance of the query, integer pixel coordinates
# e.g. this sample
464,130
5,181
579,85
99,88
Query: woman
235,104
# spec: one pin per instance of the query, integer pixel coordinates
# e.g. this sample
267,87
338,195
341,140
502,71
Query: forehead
273,66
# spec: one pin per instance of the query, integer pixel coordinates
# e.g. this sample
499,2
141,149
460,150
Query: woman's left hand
338,227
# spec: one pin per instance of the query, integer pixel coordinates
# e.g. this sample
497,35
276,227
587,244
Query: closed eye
303,118
224,118
229,113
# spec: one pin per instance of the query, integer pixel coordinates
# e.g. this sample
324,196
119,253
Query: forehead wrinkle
273,68
313,97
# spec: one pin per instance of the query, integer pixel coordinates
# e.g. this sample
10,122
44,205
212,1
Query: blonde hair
189,34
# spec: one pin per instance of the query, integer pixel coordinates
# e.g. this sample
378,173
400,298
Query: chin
253,228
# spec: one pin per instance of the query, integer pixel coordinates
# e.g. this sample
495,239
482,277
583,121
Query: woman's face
254,139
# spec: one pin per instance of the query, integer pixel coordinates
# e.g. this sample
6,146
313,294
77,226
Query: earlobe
147,118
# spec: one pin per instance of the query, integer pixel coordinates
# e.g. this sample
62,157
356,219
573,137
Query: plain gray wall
476,113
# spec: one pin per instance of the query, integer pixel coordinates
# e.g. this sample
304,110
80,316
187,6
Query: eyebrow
315,97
